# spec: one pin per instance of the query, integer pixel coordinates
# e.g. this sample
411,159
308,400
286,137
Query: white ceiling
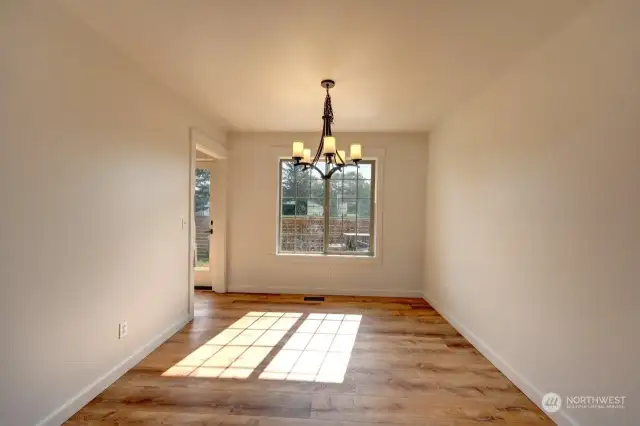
257,64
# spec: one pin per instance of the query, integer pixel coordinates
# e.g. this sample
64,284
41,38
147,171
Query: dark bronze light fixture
335,158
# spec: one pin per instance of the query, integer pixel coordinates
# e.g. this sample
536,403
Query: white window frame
373,217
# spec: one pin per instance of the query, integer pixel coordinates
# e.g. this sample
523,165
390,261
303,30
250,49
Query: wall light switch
123,330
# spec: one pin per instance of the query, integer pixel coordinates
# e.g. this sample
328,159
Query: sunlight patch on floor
319,350
236,351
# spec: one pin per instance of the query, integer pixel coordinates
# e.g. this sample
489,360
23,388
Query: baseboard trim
325,291
561,418
74,404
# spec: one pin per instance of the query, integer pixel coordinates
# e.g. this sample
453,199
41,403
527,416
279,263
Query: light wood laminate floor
266,360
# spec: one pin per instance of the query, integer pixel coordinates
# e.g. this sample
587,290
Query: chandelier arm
322,175
320,145
332,171
337,168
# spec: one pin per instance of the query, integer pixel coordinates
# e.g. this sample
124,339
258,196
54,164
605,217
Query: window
334,216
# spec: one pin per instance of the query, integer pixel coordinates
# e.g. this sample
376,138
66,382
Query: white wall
94,179
253,178
533,209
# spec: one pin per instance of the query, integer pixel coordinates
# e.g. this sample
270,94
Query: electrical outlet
123,330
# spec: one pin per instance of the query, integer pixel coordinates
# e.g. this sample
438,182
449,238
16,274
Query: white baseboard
325,291
74,404
561,418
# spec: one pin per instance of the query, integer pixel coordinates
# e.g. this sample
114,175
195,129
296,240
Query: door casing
199,141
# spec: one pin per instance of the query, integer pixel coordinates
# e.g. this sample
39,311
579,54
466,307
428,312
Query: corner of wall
561,418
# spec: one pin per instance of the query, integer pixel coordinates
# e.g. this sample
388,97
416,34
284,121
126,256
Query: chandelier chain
327,121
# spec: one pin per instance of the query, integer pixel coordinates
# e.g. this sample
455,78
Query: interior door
203,255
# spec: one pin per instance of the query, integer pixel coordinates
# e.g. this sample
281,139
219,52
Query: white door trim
190,227
218,265
208,145
200,141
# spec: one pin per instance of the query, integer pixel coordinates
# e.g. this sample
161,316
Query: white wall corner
561,418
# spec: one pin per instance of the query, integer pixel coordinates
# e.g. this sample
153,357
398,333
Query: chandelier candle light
334,157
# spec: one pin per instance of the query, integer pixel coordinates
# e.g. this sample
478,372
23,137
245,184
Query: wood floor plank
411,410
211,401
145,379
403,365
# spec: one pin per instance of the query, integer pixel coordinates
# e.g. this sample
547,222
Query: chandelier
334,158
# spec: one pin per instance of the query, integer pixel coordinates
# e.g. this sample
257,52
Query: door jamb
201,142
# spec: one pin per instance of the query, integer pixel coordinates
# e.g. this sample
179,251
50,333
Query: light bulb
356,152
329,145
298,147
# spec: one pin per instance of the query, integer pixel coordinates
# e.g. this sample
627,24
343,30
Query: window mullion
372,209
327,215
295,211
357,205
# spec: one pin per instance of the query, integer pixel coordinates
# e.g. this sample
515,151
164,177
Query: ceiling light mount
328,84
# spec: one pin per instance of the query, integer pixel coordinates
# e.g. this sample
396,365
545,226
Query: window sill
329,258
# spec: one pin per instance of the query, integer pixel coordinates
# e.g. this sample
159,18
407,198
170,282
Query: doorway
207,215
203,222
